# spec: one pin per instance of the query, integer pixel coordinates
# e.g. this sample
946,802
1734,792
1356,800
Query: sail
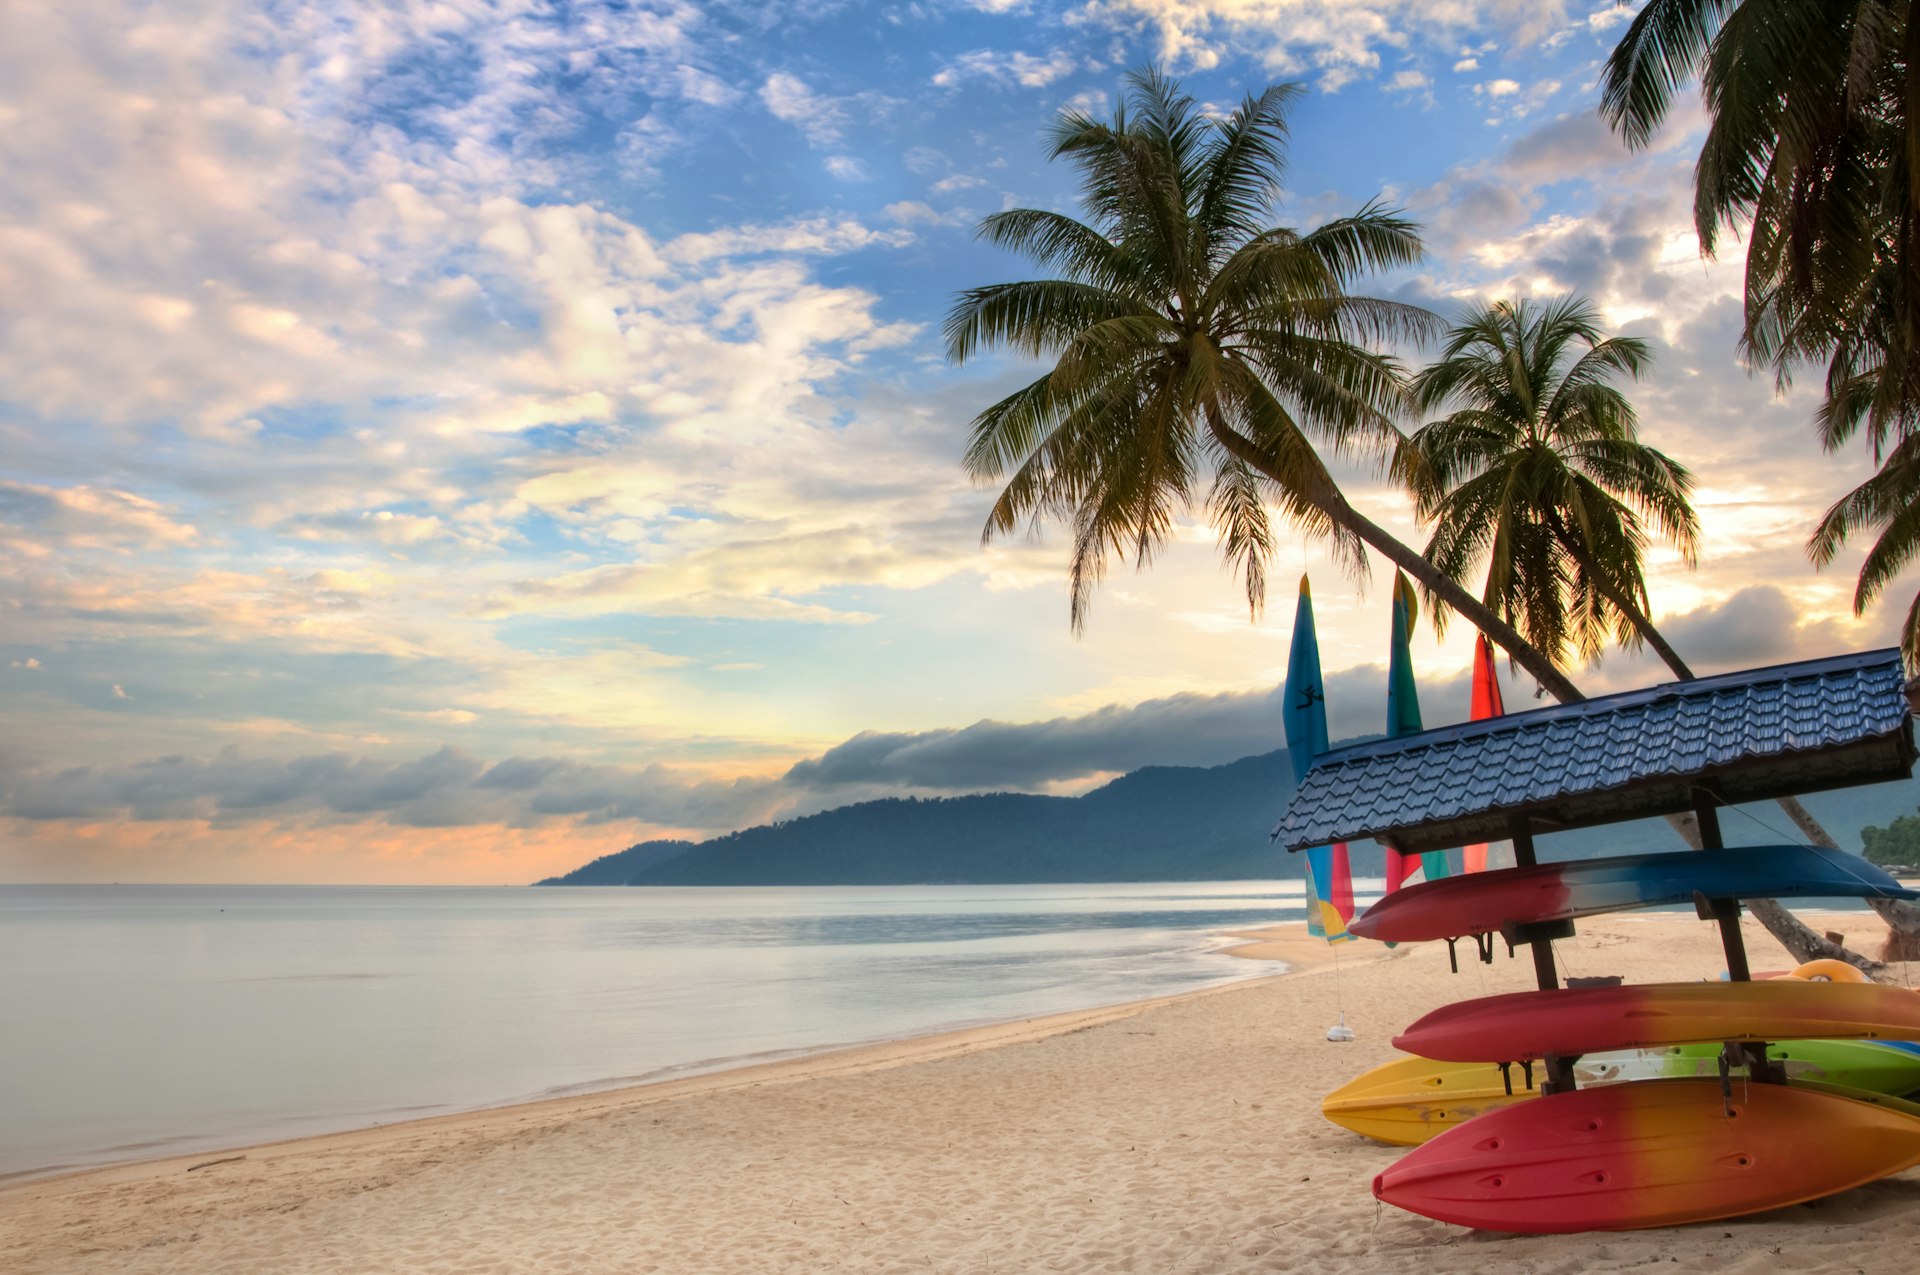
1486,703
1329,878
1403,718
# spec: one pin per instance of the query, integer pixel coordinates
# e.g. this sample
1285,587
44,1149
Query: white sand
1176,1136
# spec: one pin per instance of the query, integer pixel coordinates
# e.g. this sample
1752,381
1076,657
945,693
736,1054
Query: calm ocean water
142,1021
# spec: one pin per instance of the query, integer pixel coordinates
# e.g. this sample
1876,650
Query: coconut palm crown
1537,475
1815,141
1191,341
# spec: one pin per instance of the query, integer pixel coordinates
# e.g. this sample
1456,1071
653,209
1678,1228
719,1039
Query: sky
449,440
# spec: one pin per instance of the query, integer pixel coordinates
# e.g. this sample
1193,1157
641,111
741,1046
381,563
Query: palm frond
1661,49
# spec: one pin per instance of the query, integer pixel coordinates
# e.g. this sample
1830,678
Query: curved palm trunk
1476,612
1641,624
1793,934
1343,515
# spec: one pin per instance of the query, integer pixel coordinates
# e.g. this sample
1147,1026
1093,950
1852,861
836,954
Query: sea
154,1020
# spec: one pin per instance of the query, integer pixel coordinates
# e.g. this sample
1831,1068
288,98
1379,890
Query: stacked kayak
1676,1102
1410,1100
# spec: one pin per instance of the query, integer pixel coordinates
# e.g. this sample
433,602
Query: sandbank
1177,1135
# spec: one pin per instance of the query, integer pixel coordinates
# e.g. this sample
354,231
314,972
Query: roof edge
1622,700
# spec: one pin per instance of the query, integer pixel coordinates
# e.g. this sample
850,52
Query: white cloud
1511,100
845,168
821,119
87,517
1467,64
823,235
957,181
699,86
910,212
924,160
1025,69
1340,39
1087,102
120,692
1407,81
1612,16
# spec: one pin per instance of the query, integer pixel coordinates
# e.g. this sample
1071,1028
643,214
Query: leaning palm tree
1191,341
1537,477
1814,141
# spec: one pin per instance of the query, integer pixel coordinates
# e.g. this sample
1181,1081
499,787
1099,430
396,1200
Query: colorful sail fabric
1329,877
1403,718
1486,703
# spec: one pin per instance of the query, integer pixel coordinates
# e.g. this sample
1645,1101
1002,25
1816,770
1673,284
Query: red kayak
1650,1153
1591,1020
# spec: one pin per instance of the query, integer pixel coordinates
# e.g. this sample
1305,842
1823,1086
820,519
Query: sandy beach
1181,1135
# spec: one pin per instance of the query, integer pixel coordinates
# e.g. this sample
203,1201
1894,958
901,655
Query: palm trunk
1624,602
1343,515
1476,612
1792,933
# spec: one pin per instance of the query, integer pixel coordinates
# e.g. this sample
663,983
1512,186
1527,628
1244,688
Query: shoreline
1180,1135
1284,943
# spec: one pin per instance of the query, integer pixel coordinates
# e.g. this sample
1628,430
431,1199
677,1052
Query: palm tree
1813,140
1192,341
1538,475
1810,141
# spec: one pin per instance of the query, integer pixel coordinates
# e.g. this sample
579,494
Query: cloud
1511,100
1341,39
845,168
821,119
1612,16
449,787
87,517
1027,70
1756,626
821,235
444,788
1177,730
914,212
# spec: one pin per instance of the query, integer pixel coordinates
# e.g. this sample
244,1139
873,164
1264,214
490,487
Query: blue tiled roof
1742,736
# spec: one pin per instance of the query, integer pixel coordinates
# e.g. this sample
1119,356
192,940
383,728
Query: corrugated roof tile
1616,754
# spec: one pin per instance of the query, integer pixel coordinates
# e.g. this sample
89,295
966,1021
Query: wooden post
1543,968
1726,911
1520,828
1521,831
1709,817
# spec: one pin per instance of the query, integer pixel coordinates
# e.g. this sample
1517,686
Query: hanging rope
1339,1031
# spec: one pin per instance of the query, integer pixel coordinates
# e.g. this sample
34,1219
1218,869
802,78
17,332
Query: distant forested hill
1163,823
